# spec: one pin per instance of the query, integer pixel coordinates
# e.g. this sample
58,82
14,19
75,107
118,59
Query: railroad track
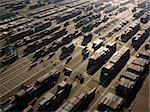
97,76
113,82
10,77
44,69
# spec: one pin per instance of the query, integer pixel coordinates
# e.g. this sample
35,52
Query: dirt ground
141,102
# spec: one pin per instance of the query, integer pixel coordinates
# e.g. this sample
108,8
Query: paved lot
18,73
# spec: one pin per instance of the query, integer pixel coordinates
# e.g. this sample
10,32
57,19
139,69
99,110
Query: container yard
74,55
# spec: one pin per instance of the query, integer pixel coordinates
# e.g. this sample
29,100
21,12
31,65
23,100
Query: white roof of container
63,84
126,82
133,24
140,61
110,43
98,52
109,65
21,92
46,98
138,35
136,67
116,56
130,75
98,41
123,1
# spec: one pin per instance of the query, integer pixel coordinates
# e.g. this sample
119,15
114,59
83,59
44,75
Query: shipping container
87,39
99,57
130,32
9,60
66,51
126,88
46,98
114,65
44,41
144,19
137,15
68,16
144,54
140,38
97,44
29,108
111,102
67,71
21,35
42,26
130,76
78,103
135,69
52,101
27,94
143,63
